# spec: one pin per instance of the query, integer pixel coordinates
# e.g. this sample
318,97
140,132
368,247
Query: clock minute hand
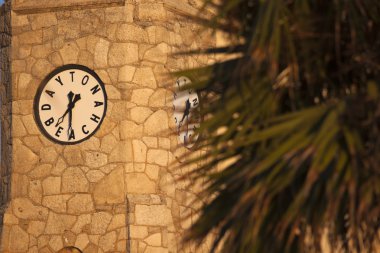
60,120
70,106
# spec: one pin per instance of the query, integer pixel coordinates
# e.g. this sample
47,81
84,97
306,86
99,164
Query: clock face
70,104
184,104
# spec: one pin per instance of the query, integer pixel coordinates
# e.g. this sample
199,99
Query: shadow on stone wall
6,109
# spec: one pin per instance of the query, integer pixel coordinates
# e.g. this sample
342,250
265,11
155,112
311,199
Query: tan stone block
51,185
157,156
23,84
108,241
140,114
108,143
20,20
82,241
157,54
82,221
138,232
59,167
157,124
73,180
56,243
139,167
57,203
18,129
40,171
86,58
141,96
144,77
48,155
95,159
41,51
24,209
18,66
101,53
31,123
33,242
158,34
152,171
43,240
126,73
18,239
58,223
129,32
151,12
128,12
106,127
154,240
168,185
35,191
158,99
113,14
73,155
10,219
118,221
139,151
103,74
151,249
32,249
113,74
80,203
25,107
139,183
164,143
91,144
185,215
122,53
42,20
69,28
41,68
122,153
36,228
142,246
69,53
94,239
23,159
112,92
32,37
154,215
33,142
119,111
129,129
110,190
151,142
94,176
19,185
56,59
100,222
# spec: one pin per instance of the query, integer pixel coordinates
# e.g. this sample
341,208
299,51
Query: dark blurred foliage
294,108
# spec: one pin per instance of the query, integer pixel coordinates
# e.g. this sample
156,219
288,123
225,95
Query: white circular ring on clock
184,104
70,104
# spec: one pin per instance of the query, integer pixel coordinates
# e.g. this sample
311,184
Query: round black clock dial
70,104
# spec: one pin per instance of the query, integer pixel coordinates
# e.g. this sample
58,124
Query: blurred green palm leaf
294,110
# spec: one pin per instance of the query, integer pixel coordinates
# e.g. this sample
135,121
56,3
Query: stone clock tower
111,190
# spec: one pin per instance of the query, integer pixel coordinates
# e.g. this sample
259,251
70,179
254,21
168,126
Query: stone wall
115,192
